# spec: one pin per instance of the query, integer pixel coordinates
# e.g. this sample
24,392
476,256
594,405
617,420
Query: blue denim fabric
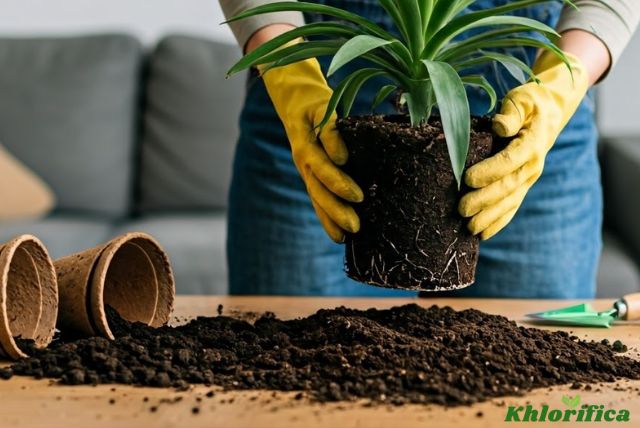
277,246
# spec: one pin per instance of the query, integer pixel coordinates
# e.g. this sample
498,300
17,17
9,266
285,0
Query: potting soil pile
407,354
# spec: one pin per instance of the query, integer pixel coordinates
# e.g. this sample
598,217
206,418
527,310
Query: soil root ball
411,234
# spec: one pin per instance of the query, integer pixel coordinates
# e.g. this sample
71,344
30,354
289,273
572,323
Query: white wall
619,97
146,18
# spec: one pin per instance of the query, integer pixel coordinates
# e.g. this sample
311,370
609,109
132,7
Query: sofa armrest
620,158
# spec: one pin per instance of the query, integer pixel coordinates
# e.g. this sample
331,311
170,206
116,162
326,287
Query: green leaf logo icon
571,402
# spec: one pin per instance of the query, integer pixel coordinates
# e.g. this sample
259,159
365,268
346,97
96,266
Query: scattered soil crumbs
407,354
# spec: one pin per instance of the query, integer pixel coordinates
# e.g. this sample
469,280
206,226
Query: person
537,205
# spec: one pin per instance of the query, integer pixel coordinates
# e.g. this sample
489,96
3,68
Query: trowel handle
629,307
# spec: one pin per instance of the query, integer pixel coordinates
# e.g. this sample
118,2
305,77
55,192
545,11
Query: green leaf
353,87
300,6
426,9
516,67
354,48
481,82
420,100
462,51
390,66
339,92
398,49
410,13
299,52
400,52
439,16
454,112
463,23
453,51
460,5
299,56
315,29
363,25
442,14
509,7
382,95
392,9
513,65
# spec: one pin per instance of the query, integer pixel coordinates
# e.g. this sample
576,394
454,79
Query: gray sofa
132,139
129,140
620,160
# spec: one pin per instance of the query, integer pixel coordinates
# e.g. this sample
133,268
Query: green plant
422,61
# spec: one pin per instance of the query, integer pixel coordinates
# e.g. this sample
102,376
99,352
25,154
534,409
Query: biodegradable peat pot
131,273
28,295
411,234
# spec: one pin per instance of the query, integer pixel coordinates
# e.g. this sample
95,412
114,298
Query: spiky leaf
382,95
419,101
353,87
342,87
315,29
481,82
454,112
516,67
353,49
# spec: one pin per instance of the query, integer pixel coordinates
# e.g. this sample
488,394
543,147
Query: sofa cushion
67,110
62,234
621,179
618,274
190,124
196,247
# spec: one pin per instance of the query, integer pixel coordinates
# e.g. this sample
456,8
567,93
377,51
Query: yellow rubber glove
535,114
300,95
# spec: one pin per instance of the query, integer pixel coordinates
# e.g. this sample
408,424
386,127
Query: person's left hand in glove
535,114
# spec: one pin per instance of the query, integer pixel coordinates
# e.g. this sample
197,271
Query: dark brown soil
411,234
407,354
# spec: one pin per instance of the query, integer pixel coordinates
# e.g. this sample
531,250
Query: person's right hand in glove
300,95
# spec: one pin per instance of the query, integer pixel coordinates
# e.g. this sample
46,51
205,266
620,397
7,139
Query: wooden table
30,403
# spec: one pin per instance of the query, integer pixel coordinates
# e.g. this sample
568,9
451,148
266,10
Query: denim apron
276,245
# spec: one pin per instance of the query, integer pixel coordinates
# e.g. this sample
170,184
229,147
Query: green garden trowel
627,308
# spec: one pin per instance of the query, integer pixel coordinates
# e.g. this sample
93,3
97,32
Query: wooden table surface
30,403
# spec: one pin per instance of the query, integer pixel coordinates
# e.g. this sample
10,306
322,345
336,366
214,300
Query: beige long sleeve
614,25
243,30
23,195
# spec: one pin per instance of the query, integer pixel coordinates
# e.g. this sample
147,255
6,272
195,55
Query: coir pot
131,274
28,295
